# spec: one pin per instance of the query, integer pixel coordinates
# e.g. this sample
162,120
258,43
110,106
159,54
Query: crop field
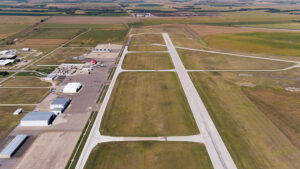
276,43
208,30
21,19
55,33
85,26
226,18
8,121
25,81
10,29
90,20
291,25
97,36
43,44
148,104
22,96
147,61
254,129
158,155
64,55
202,60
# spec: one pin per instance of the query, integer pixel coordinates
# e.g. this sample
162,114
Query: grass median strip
148,104
81,142
143,155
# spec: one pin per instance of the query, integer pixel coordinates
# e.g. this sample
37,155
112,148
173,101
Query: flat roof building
59,105
37,119
13,146
6,62
72,87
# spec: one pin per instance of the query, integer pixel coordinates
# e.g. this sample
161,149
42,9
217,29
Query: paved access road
215,146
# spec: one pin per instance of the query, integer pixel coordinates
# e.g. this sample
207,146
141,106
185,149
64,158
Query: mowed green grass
147,61
8,121
64,55
25,81
55,33
250,136
97,36
148,104
144,155
202,60
22,96
147,48
276,43
146,39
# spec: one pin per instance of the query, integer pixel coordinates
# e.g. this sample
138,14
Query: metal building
37,119
59,105
72,87
13,146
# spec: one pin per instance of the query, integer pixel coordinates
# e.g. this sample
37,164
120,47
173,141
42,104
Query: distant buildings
8,54
50,77
102,48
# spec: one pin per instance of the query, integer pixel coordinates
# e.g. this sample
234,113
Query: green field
251,137
8,121
291,25
276,43
64,55
96,36
83,26
10,29
202,60
148,104
22,96
25,81
55,33
147,48
147,61
146,39
144,155
226,18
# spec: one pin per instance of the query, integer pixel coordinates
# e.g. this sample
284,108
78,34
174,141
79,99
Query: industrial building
102,48
50,77
73,87
13,146
8,54
37,119
59,105
26,49
6,62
